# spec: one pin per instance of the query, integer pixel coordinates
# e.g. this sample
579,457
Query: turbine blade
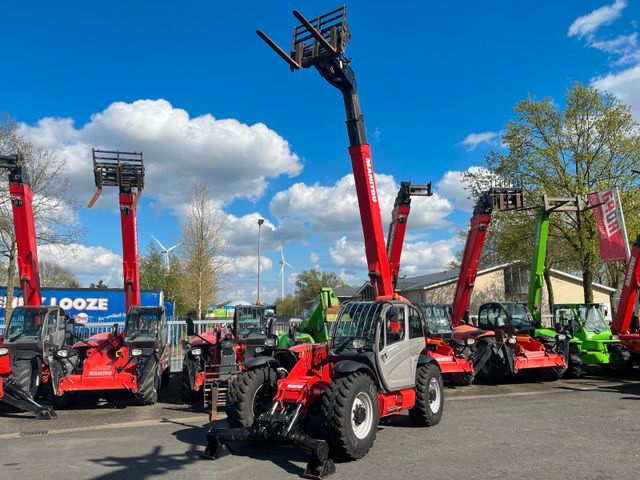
158,242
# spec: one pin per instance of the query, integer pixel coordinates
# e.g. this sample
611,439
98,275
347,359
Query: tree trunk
587,285
547,280
11,281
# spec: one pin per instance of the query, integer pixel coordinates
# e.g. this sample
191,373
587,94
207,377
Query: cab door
398,351
53,331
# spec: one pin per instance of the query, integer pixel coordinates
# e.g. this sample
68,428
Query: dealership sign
612,234
88,304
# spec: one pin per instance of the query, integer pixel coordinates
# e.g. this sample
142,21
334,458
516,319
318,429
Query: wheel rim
362,415
435,396
261,400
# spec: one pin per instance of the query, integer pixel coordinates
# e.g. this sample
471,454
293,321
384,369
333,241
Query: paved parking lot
587,428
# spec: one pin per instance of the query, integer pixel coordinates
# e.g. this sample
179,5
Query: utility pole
260,222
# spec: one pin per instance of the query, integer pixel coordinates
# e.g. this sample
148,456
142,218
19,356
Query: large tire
351,416
429,396
28,375
249,395
550,374
461,379
493,371
574,370
620,360
188,394
148,384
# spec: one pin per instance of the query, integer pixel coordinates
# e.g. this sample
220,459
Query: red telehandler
626,325
23,356
377,362
459,359
514,347
135,358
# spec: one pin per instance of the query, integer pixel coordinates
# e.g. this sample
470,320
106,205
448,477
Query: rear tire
429,396
28,375
148,384
351,416
188,394
620,360
493,371
166,377
249,395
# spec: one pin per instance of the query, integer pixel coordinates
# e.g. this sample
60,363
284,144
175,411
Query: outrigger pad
318,469
47,413
215,450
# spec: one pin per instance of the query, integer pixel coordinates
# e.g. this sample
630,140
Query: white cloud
587,25
314,257
625,85
327,210
88,264
474,140
417,258
237,159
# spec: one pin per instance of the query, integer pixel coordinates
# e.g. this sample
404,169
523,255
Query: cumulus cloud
237,159
418,258
474,140
330,209
625,85
87,263
587,25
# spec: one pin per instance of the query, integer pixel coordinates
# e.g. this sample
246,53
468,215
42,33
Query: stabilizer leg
16,397
320,465
216,449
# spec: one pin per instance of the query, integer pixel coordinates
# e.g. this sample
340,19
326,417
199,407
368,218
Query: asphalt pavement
587,428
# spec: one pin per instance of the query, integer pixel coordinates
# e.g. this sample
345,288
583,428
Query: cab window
416,327
395,324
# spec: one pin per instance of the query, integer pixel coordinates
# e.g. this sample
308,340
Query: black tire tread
335,412
240,393
147,391
22,374
421,414
188,394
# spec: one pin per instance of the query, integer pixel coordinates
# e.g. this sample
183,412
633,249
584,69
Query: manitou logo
630,270
372,181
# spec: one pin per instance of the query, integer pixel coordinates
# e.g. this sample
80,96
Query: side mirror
191,328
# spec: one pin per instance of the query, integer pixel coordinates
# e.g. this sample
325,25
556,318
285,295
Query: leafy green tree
593,144
155,276
99,285
310,282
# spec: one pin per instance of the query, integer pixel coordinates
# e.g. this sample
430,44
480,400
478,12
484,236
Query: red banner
610,223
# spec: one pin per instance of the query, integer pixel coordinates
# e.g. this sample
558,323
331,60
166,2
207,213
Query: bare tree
54,209
202,247
54,275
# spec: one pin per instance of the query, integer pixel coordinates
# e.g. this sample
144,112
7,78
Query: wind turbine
165,251
283,263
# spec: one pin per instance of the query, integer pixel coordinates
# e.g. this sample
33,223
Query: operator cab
438,320
33,328
387,337
507,317
146,326
252,325
589,316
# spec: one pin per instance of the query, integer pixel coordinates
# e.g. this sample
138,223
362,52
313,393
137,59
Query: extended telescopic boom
124,170
22,205
321,43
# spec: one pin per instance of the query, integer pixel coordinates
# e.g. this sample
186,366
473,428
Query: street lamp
260,222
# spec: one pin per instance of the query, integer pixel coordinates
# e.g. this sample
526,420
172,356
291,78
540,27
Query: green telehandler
591,342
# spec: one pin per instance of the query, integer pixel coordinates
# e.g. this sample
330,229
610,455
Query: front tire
620,360
188,394
28,375
351,416
148,384
574,370
429,396
250,394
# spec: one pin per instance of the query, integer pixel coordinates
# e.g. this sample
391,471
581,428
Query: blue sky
431,74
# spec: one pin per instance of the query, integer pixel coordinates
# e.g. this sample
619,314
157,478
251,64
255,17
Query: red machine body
130,270
527,351
625,325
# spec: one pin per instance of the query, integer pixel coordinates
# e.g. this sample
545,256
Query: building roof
433,280
347,291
